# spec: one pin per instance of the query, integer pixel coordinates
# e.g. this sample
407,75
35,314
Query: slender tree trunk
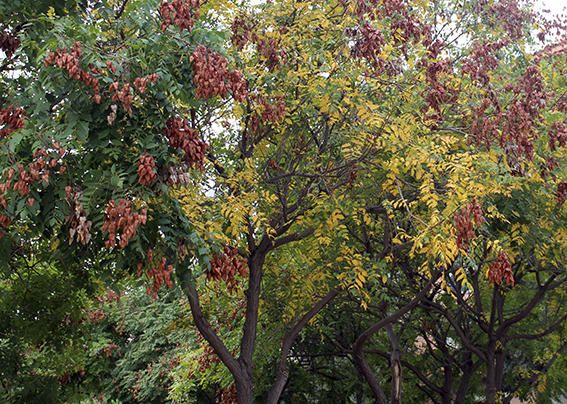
358,347
395,366
282,372
490,375
360,390
366,372
499,368
464,384
447,397
244,388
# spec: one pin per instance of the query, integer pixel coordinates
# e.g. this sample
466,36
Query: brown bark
287,343
358,347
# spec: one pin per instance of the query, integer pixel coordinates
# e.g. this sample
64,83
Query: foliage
324,185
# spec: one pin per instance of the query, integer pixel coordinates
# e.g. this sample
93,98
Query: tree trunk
395,366
490,375
358,347
244,393
282,373
366,372
447,396
468,370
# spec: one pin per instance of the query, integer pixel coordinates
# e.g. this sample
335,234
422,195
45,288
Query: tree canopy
282,201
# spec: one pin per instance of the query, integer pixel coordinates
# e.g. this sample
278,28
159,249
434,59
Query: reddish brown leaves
182,136
368,45
158,271
557,135
9,43
146,170
11,119
140,83
227,395
121,218
501,270
212,77
124,95
561,193
227,266
181,13
269,112
466,220
69,61
79,225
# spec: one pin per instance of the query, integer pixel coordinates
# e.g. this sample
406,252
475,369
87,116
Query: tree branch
287,343
358,346
205,328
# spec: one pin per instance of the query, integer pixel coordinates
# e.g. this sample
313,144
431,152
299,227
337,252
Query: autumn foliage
325,192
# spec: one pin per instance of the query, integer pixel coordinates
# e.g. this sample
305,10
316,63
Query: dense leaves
323,200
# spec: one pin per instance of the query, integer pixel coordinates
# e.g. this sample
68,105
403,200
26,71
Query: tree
381,145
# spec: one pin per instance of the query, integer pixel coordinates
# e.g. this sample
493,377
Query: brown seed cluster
238,85
403,24
69,61
482,60
96,316
212,77
512,124
140,83
5,221
269,48
181,13
271,51
466,220
269,112
523,114
207,358
180,135
561,193
178,174
11,119
557,135
20,179
439,90
501,270
511,17
79,225
146,170
9,43
241,29
368,45
158,271
227,395
110,349
124,95
484,127
121,218
227,266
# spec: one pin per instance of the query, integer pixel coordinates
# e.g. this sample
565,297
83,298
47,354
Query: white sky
555,6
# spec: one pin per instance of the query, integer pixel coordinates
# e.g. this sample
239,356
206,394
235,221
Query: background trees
337,188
